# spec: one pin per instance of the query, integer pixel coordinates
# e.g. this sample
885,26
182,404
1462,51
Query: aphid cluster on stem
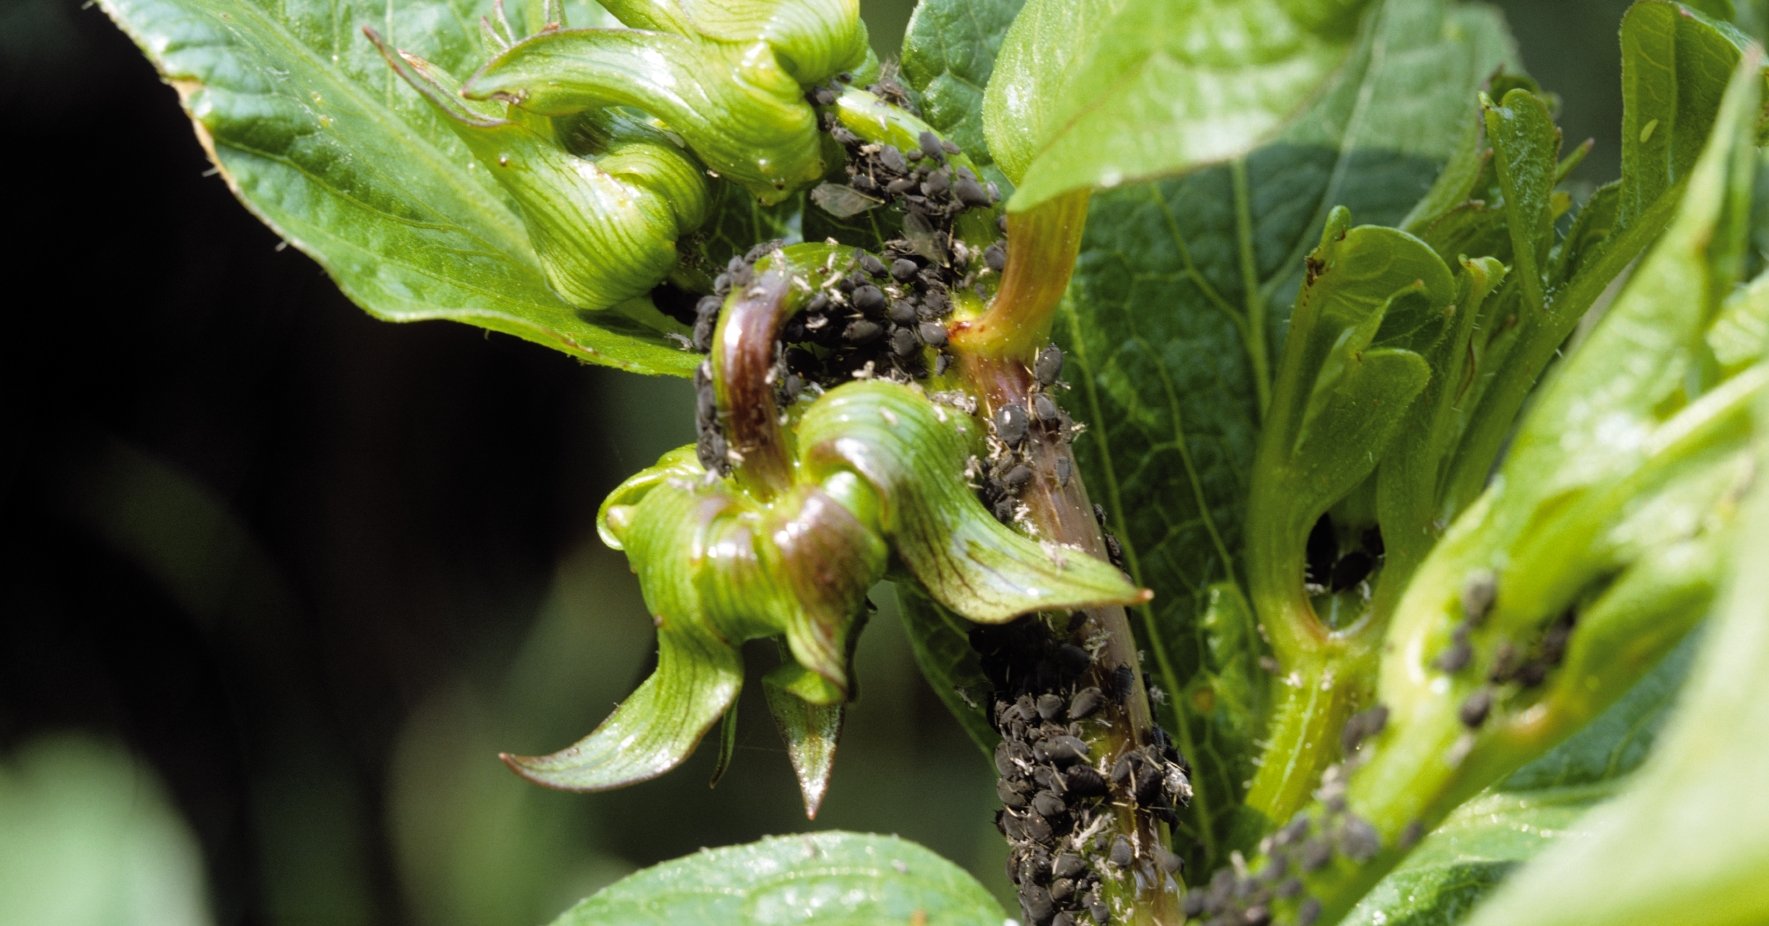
1239,896
1014,427
1060,794
1515,666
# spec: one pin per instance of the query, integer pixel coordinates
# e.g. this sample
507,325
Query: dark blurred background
303,574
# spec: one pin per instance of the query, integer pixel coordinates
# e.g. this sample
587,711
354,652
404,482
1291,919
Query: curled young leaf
747,119
603,215
879,468
913,454
1344,385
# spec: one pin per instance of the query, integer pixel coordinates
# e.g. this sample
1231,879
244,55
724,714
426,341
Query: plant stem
1061,513
1043,245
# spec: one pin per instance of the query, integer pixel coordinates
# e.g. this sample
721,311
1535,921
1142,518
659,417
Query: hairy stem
1060,512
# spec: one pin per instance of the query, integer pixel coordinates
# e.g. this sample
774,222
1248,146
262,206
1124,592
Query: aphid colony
884,316
1237,896
1014,429
1524,666
1058,796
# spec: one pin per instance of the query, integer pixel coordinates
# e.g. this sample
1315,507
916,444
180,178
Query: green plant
1415,580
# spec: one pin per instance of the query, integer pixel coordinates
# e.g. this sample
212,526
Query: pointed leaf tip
652,731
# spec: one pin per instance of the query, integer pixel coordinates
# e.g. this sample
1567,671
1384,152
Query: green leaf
1172,321
810,732
913,454
1620,498
655,728
319,138
948,55
940,642
827,879
1526,149
1340,398
1697,803
1675,64
1096,94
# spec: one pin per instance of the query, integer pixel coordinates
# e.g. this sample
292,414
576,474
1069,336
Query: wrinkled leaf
319,138
1619,499
1176,312
1526,147
1095,94
827,879
948,54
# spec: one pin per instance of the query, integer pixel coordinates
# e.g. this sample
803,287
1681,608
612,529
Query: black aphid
1168,860
1361,726
868,298
995,257
862,331
1046,411
932,333
1475,708
1048,365
1123,682
903,342
1063,750
937,183
1048,804
969,191
1121,853
931,147
1456,657
1072,660
1050,705
1085,702
1359,840
1086,781
1114,550
1011,424
1036,902
1315,854
1478,594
